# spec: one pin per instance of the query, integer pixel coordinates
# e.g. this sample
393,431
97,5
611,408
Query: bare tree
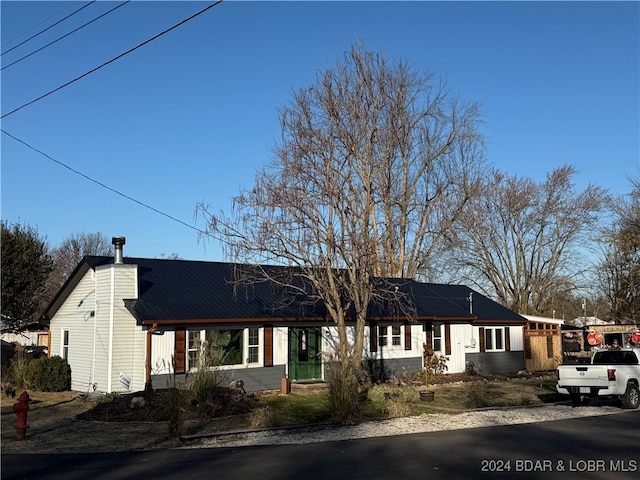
374,165
68,255
619,272
74,248
520,241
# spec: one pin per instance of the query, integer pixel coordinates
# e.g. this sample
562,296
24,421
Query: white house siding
138,362
395,361
105,277
75,315
126,334
460,343
162,351
516,335
502,361
101,330
281,345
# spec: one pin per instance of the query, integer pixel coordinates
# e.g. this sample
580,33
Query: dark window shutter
507,339
429,331
373,337
447,339
268,346
407,337
482,347
179,353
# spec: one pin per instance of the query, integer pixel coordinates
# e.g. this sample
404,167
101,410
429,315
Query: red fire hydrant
20,409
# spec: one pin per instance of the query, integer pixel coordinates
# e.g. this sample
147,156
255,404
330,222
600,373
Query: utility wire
4,44
49,27
97,182
66,35
112,60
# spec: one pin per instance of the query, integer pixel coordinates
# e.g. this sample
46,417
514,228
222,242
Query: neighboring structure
542,343
579,344
588,321
123,321
32,335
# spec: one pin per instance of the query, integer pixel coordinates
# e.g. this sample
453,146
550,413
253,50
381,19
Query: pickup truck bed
611,373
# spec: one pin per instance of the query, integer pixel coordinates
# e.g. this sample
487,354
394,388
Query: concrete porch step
309,387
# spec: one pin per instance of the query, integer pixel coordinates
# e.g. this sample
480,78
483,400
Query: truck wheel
579,400
631,397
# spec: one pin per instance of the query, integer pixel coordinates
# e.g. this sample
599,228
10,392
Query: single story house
121,322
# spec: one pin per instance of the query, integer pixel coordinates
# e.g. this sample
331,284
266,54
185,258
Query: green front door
305,347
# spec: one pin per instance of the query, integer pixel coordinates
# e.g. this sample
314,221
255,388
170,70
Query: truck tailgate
583,376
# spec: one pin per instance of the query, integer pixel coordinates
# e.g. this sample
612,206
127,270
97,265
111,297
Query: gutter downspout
147,360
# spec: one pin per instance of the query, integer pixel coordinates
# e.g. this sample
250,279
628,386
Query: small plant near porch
434,366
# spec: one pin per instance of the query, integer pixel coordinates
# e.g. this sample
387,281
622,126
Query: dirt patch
74,422
156,406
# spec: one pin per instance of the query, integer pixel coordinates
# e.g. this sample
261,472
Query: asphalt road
606,447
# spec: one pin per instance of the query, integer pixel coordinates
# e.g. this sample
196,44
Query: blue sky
192,115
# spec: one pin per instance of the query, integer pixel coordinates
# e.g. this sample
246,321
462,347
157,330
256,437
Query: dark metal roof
182,291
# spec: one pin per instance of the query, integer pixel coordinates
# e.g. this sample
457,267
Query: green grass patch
389,401
298,409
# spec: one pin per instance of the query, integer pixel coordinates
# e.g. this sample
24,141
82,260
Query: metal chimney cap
118,241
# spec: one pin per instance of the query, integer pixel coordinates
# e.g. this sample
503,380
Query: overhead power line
66,35
49,27
107,187
112,60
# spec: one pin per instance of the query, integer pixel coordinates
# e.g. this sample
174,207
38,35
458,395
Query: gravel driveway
399,426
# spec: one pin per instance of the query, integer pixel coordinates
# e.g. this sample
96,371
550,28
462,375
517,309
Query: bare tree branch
374,165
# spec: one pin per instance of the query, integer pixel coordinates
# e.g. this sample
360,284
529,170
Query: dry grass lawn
65,422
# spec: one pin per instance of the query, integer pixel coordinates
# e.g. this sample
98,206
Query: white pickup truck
610,373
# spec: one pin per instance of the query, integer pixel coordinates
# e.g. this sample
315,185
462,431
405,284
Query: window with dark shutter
447,339
407,337
179,351
373,337
268,346
429,332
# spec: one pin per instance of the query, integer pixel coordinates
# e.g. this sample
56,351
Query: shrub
205,383
405,394
176,407
477,393
434,365
263,417
344,393
17,367
208,378
398,408
393,400
48,374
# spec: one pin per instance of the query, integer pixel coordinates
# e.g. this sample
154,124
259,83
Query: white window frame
492,338
253,348
395,335
64,344
437,337
193,348
246,348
